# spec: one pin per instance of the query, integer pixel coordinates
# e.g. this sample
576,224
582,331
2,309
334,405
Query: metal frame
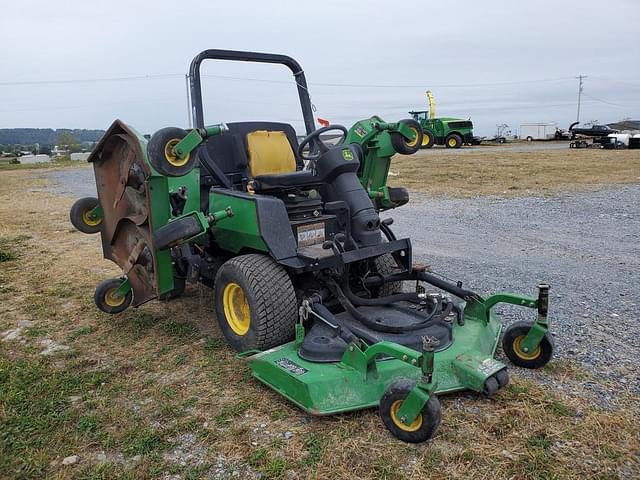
241,56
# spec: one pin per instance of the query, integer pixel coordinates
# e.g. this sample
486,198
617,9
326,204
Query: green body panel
355,382
160,187
240,230
378,151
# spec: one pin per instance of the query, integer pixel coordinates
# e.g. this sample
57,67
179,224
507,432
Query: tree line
46,136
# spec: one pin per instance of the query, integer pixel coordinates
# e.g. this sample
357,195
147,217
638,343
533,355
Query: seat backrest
269,153
229,151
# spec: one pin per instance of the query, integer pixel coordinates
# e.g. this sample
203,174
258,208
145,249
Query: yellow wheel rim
88,220
170,154
413,142
517,348
236,308
425,140
452,142
415,425
111,299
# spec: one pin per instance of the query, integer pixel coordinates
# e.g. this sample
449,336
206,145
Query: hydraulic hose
347,296
346,333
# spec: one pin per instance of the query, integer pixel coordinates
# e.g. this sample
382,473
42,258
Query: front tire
255,303
511,345
453,140
162,156
423,427
386,265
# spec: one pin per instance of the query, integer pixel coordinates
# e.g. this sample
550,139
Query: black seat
229,151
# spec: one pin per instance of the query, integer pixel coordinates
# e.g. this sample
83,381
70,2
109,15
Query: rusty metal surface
120,172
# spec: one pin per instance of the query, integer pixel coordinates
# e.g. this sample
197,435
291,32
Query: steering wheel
321,147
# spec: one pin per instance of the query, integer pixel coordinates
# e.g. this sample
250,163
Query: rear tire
453,140
428,140
255,303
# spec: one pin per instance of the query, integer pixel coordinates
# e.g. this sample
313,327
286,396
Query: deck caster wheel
162,155
404,146
511,345
422,428
82,215
107,300
502,377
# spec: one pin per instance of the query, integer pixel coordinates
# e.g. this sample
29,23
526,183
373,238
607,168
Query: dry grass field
506,172
156,393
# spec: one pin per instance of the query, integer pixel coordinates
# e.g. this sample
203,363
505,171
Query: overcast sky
494,61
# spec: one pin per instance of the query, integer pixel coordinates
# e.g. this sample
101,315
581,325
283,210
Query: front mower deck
355,383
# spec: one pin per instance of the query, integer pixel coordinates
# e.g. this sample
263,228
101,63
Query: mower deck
351,384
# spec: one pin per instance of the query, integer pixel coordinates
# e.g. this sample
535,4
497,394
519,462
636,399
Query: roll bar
195,85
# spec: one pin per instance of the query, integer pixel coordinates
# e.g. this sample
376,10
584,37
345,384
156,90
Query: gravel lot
585,245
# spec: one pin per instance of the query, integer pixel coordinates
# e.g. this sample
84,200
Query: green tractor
447,131
310,285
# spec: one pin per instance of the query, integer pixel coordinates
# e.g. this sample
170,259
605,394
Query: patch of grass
140,440
88,424
274,468
229,411
386,468
36,412
179,329
558,408
78,332
506,172
6,255
314,444
258,456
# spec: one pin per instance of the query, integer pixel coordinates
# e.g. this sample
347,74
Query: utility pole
186,82
580,78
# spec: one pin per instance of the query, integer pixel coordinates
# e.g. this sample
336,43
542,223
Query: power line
266,80
372,85
604,101
91,80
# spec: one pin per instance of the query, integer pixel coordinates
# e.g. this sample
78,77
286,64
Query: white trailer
538,131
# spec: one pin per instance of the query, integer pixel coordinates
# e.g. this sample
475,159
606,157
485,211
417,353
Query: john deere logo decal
347,154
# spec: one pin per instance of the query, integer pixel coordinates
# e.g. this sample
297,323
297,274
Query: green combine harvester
447,131
310,285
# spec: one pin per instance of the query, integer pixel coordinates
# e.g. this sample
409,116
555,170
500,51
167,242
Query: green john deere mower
311,286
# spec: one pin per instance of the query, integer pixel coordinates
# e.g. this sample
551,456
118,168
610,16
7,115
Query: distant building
27,159
81,156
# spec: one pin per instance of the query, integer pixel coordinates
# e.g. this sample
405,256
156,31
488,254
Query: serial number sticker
310,234
291,366
488,366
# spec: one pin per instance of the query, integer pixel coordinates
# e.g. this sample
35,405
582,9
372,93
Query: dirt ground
156,393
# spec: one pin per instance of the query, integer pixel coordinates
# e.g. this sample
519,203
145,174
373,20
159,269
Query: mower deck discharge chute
311,286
